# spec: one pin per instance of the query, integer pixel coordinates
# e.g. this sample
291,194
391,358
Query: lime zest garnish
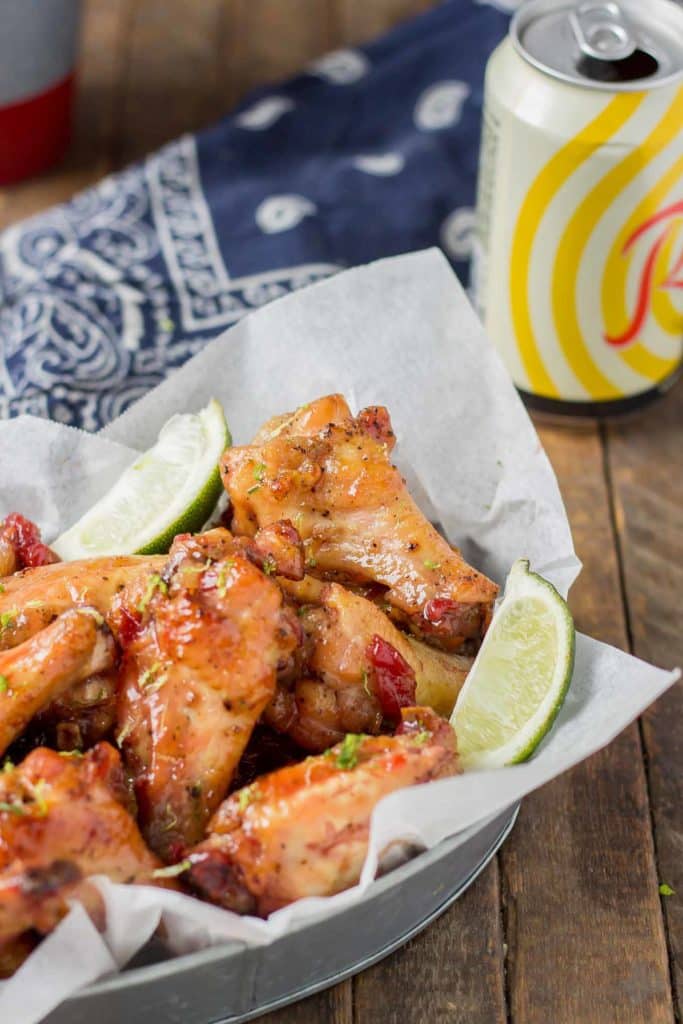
347,754
198,568
171,817
12,808
172,870
269,565
247,795
154,583
7,618
150,681
222,578
38,794
123,735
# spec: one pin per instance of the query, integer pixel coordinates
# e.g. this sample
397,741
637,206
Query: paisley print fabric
369,152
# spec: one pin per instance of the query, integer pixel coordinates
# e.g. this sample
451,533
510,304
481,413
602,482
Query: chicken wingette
303,830
31,599
331,474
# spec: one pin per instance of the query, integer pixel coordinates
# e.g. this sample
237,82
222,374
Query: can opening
610,45
607,42
638,64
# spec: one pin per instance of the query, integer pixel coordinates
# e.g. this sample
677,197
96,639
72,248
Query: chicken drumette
63,819
356,669
303,830
330,473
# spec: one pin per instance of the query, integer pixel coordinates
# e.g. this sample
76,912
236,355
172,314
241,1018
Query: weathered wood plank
331,1007
581,910
266,40
100,69
450,973
646,467
358,21
172,75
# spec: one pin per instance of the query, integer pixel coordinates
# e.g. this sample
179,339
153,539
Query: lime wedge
519,679
171,489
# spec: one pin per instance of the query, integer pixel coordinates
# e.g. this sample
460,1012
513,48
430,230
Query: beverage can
578,262
38,44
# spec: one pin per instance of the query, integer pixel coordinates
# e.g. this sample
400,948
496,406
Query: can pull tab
602,31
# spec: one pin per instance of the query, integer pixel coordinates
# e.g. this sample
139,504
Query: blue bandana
369,152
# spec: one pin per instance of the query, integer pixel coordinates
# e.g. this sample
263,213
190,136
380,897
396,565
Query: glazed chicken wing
75,646
359,669
63,819
303,830
82,715
330,473
196,676
31,599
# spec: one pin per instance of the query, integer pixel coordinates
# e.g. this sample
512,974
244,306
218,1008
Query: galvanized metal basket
230,983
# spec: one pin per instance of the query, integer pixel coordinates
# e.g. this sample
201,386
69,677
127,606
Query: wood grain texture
104,41
266,40
581,909
645,460
172,73
334,1006
450,973
356,21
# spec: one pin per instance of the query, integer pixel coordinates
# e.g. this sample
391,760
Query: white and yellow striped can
578,268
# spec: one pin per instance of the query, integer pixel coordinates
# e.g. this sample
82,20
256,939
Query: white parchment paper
399,332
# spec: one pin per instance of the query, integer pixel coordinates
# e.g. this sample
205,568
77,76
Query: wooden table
567,925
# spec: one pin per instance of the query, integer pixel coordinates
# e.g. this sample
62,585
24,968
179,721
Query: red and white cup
38,45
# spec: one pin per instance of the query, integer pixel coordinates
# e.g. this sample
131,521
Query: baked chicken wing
74,647
357,669
63,819
331,474
303,830
31,599
196,675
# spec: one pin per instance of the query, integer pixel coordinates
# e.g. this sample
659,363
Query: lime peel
520,676
170,489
